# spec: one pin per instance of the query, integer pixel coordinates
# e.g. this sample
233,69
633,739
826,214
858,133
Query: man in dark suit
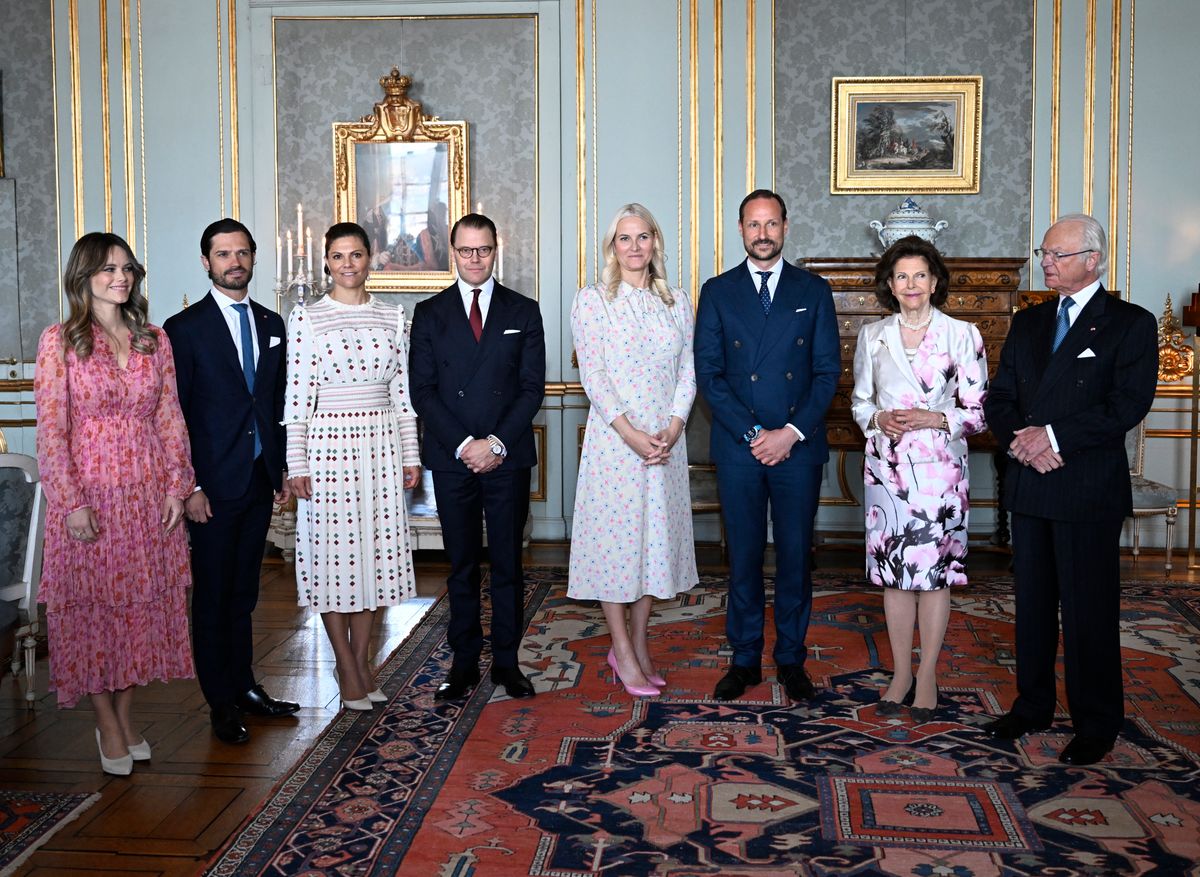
767,361
477,375
229,356
1075,375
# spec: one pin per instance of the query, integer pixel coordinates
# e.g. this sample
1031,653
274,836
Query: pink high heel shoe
657,680
635,690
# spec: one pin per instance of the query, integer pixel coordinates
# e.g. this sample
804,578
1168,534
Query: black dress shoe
1085,750
257,702
795,681
1010,726
458,682
513,680
889,708
227,724
736,680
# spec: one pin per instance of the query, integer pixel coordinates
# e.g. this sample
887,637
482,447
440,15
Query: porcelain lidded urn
907,219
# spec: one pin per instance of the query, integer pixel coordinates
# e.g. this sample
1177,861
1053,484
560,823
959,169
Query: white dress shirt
1081,300
776,271
485,296
233,320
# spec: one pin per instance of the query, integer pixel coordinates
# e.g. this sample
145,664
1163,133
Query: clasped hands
654,450
1031,447
84,524
895,423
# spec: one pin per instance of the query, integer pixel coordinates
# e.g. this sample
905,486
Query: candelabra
296,281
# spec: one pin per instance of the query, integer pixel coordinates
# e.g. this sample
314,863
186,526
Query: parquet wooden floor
177,810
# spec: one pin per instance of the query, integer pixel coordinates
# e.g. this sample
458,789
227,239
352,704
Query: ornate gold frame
966,92
399,119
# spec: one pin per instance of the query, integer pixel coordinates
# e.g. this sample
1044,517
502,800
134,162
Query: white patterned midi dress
632,530
351,428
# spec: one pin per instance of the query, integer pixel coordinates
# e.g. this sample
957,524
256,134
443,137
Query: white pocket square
511,331
275,341
801,310
1086,354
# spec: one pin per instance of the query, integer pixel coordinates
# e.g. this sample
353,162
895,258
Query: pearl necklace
916,327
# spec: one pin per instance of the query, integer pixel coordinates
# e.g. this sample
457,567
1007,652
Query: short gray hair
1094,237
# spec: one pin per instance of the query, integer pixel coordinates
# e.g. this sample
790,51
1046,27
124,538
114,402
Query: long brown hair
88,256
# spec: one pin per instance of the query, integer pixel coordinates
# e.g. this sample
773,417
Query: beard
776,247
226,282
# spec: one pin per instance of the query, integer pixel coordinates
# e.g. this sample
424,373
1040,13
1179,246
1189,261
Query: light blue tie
764,294
1064,322
243,310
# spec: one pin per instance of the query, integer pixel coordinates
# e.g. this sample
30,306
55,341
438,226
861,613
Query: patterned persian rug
584,779
29,819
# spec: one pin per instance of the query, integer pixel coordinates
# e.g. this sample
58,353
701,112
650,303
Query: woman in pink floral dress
631,538
920,378
115,463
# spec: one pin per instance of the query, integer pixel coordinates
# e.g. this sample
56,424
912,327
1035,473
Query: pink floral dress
915,488
113,439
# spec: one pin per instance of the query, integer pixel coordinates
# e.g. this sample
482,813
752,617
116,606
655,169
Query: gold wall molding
694,143
105,115
234,163
751,94
580,144
1089,105
127,124
1129,158
1055,97
76,114
679,148
719,134
220,113
1114,122
57,156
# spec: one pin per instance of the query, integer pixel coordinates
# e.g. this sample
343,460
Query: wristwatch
752,434
494,444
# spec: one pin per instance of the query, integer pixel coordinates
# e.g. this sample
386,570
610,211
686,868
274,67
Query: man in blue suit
767,361
231,369
477,375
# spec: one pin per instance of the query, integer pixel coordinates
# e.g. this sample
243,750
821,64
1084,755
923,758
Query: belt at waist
353,397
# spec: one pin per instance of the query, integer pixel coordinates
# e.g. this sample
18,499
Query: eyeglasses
1043,253
471,252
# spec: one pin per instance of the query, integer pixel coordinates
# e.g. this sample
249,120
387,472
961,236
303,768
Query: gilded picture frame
905,134
403,176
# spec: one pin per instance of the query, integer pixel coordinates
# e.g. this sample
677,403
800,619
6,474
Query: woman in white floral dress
631,538
920,378
351,453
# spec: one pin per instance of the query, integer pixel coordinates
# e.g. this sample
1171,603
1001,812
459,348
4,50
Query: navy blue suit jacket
461,388
767,369
220,411
1089,401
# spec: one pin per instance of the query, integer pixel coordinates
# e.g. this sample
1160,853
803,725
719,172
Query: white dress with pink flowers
915,487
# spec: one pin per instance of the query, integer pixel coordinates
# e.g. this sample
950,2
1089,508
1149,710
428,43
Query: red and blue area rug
29,819
584,779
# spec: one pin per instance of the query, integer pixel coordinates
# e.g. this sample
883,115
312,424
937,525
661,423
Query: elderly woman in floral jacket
920,378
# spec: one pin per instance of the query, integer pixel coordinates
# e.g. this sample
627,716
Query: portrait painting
903,135
402,198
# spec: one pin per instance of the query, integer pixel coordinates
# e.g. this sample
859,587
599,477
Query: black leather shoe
227,724
458,682
257,702
513,680
1085,750
795,681
736,680
890,708
1010,726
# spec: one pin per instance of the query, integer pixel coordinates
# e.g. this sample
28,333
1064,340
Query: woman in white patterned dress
631,537
351,453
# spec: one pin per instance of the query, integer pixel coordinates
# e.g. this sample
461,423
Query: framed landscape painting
905,134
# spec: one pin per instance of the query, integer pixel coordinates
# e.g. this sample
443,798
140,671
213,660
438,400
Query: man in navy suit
767,361
477,375
229,356
1076,374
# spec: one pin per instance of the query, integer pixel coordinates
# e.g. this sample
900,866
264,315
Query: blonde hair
88,256
610,277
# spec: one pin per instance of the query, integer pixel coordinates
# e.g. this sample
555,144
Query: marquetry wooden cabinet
983,291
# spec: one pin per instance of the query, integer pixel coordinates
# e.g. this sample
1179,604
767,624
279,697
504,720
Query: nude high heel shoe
635,690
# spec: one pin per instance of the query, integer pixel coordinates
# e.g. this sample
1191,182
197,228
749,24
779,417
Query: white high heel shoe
118,767
140,751
362,704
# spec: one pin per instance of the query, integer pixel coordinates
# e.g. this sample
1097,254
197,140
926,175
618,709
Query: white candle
479,207
278,258
308,247
299,223
289,259
499,257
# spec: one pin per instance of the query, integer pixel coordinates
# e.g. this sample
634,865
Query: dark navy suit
1067,522
464,388
222,415
768,370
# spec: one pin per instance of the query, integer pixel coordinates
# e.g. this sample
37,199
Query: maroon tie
476,317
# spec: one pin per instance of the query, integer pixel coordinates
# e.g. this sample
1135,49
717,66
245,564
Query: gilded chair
22,526
1150,498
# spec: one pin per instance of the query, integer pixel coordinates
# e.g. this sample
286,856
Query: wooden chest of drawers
983,291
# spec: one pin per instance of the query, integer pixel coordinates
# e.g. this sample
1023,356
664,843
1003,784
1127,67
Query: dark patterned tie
1064,322
476,317
764,294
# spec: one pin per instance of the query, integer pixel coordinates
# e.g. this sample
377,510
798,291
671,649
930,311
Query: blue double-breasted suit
768,369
